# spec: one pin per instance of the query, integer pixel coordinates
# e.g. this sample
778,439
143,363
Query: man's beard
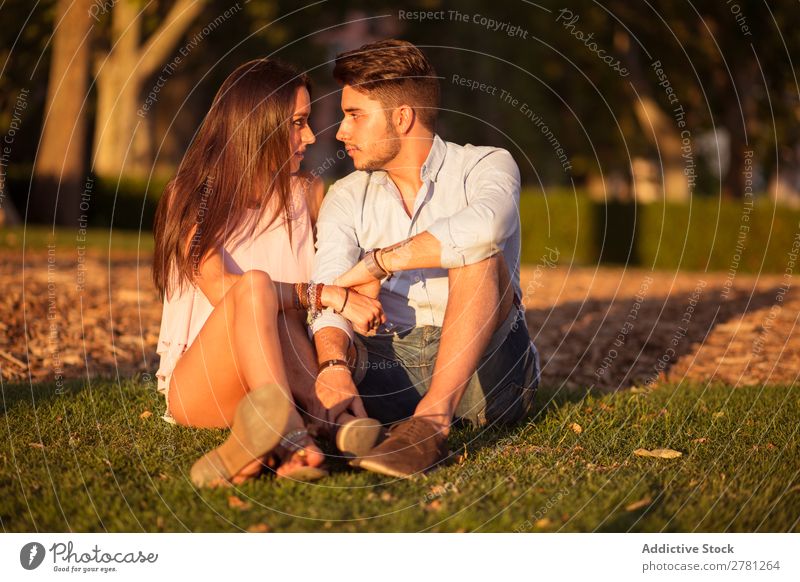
385,152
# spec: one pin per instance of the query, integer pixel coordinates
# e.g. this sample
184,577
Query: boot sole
259,424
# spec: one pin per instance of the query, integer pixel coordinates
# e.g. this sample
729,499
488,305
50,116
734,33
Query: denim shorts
393,372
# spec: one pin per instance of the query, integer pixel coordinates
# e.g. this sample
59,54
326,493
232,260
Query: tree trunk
738,113
122,139
60,162
118,88
657,125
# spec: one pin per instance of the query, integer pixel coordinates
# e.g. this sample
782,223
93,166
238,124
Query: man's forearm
332,344
423,251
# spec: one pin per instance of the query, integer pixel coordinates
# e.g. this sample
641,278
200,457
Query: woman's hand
365,313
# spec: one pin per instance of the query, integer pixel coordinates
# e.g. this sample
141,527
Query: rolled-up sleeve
476,232
337,252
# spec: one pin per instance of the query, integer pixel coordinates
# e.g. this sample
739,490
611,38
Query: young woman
233,254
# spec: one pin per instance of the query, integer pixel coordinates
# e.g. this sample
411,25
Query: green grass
36,238
84,460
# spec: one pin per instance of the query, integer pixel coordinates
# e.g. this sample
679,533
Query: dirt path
611,328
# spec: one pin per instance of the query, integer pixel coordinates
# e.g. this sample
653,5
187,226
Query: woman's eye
299,122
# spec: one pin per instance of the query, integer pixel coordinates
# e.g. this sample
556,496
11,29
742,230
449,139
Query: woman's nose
309,136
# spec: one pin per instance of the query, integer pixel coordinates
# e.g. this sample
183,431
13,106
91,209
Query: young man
434,227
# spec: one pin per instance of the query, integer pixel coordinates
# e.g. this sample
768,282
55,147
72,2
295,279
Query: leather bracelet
332,364
300,291
372,265
344,303
379,260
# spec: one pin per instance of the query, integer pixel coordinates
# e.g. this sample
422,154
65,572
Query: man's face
368,136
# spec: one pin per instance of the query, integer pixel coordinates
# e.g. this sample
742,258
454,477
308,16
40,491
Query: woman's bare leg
237,350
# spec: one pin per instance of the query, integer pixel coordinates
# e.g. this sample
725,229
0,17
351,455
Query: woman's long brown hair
239,158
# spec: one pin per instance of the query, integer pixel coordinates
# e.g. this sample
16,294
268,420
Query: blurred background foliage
100,99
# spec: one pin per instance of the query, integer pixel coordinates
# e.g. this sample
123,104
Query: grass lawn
36,238
87,459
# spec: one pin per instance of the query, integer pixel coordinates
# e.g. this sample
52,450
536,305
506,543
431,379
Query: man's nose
341,133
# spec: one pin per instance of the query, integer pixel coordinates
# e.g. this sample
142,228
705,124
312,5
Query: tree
121,72
60,162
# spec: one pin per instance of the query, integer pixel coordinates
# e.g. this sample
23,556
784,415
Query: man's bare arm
334,387
422,251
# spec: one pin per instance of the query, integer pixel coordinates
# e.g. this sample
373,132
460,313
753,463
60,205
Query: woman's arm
214,280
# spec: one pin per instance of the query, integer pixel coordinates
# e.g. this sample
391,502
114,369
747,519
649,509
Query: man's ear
403,118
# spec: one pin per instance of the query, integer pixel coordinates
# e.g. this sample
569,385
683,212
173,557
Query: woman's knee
257,286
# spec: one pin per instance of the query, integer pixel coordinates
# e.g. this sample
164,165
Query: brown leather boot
413,446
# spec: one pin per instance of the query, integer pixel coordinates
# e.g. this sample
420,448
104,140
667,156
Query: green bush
129,203
700,236
561,222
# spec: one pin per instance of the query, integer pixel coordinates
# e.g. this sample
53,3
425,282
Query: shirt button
416,279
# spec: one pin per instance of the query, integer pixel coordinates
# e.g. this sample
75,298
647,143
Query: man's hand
365,313
337,393
316,413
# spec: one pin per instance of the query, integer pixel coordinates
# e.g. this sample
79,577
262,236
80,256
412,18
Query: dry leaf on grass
236,503
146,414
658,453
258,528
643,502
434,505
576,428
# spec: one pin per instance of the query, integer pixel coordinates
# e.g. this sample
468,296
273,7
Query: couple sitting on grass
406,319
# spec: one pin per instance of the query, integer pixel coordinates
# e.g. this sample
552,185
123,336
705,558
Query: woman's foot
309,456
267,431
298,455
262,419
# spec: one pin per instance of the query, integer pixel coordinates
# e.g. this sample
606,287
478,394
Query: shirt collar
433,163
430,168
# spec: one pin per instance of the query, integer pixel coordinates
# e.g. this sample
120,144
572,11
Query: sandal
295,442
258,427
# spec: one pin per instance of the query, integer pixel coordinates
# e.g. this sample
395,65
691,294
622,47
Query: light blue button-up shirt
469,200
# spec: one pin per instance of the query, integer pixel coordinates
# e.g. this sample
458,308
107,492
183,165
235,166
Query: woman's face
300,135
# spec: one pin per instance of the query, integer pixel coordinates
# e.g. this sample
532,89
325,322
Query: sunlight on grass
93,459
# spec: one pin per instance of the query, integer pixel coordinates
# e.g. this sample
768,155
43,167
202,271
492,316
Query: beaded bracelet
338,367
318,298
314,299
333,363
310,289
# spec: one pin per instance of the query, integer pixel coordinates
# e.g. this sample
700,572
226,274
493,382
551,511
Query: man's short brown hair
394,72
